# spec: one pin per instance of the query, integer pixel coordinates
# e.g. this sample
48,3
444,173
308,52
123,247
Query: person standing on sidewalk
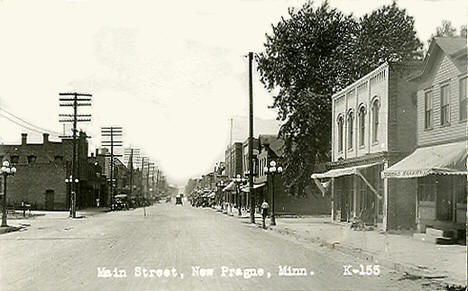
264,207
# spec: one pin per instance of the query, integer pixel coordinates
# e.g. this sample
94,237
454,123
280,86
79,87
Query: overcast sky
171,73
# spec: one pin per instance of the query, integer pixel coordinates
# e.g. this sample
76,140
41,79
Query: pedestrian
265,207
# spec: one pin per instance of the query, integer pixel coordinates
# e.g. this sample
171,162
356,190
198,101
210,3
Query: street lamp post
272,171
70,180
7,170
221,185
238,180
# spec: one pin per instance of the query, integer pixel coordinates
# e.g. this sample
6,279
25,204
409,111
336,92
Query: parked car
120,202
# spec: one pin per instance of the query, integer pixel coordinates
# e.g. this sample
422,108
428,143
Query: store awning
446,159
345,172
256,186
342,172
230,187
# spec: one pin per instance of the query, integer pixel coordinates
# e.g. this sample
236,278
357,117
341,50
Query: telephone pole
150,168
114,133
74,100
131,155
142,168
251,188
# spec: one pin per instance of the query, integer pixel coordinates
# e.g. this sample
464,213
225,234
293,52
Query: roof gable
453,47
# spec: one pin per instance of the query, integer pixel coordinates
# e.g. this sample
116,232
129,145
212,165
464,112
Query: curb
8,229
372,257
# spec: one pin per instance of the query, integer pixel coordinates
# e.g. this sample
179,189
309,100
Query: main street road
57,253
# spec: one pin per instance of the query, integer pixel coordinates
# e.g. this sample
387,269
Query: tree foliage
312,54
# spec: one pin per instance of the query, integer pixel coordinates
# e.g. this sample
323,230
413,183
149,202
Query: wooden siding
445,71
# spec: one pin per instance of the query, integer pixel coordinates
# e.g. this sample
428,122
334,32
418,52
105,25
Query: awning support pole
368,184
319,185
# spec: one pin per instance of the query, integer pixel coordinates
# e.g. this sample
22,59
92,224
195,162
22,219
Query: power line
29,123
25,126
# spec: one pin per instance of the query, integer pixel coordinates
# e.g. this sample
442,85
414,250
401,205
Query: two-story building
373,127
438,165
41,172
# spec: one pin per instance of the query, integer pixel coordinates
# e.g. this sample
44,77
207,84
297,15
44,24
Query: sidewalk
18,222
397,251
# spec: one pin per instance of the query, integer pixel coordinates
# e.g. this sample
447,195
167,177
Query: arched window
350,126
362,125
375,120
340,124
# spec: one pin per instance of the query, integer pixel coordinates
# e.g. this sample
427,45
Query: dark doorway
444,202
49,200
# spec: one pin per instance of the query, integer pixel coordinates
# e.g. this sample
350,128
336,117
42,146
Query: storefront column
355,193
332,199
385,202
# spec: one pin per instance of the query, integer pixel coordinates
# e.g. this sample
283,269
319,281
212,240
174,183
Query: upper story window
375,120
350,126
340,124
463,98
362,125
428,110
444,105
31,159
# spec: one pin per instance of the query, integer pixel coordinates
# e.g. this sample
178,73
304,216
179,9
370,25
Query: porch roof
255,186
446,159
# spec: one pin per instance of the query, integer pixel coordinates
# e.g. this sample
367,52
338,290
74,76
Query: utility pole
142,168
251,188
147,177
114,133
131,155
74,100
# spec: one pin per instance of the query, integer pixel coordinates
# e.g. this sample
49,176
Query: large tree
386,34
303,61
313,53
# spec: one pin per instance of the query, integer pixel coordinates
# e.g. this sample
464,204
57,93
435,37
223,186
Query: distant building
233,160
438,166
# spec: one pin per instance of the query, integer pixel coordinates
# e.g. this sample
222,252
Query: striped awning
446,159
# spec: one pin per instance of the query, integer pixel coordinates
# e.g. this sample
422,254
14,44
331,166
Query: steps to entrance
437,236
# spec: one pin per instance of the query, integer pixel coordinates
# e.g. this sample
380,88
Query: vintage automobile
120,202
178,200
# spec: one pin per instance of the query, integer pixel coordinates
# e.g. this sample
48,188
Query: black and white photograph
233,145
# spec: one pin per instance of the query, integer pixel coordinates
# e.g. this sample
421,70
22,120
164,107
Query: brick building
373,127
233,160
271,148
41,172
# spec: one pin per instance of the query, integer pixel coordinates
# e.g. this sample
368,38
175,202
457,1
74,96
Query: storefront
440,172
355,192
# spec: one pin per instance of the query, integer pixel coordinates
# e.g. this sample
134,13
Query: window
31,159
350,130
362,125
14,159
340,133
428,110
375,120
463,98
444,105
58,159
